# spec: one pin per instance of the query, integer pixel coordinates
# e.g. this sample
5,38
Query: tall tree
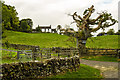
10,20
28,22
38,29
58,28
85,24
24,27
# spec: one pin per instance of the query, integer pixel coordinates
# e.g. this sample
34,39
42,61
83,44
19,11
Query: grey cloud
46,12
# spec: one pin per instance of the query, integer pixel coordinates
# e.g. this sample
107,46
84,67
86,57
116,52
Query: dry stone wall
21,46
39,69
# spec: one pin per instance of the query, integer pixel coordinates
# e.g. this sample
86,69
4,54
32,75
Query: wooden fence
95,51
43,53
67,51
46,53
56,52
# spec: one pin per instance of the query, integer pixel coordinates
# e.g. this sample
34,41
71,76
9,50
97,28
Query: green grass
14,60
101,58
46,40
84,72
109,41
40,39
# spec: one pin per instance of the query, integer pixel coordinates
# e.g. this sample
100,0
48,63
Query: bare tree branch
97,28
97,18
84,24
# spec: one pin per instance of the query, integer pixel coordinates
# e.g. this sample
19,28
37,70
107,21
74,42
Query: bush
111,32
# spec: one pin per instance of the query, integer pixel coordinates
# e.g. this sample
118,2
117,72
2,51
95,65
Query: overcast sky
54,12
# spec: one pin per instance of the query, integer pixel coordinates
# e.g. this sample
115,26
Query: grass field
40,39
55,40
109,41
84,72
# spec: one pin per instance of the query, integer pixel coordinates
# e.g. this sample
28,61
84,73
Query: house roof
45,27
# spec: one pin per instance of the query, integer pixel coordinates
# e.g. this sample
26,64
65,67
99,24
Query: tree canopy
26,25
38,29
59,27
86,24
10,21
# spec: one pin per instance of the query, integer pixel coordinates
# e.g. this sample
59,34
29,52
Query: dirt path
108,69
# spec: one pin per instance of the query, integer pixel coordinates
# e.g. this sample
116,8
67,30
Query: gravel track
108,69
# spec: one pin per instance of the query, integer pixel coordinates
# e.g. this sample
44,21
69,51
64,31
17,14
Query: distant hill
40,39
108,41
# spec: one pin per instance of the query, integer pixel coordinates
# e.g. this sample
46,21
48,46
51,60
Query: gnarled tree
85,23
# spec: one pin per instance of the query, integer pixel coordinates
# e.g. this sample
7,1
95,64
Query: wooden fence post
18,54
58,55
68,52
47,55
49,52
50,55
41,55
118,53
33,54
11,54
35,50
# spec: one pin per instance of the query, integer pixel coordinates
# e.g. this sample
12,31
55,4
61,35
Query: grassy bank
55,40
84,72
40,39
109,41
